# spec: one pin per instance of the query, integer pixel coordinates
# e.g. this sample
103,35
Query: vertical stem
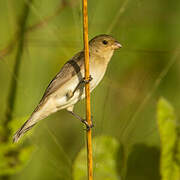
87,90
13,84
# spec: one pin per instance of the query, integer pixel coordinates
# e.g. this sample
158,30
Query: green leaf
170,145
13,157
105,152
143,163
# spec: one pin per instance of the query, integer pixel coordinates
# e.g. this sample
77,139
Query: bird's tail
25,127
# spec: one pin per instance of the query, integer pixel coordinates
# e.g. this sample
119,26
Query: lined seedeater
67,87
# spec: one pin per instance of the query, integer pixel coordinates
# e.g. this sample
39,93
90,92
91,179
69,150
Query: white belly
61,99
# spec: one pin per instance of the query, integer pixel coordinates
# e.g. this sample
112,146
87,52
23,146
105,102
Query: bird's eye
104,42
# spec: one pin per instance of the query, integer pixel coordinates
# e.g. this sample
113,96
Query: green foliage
111,161
13,157
105,152
142,163
149,33
170,144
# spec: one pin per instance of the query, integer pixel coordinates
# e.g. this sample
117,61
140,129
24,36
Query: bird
67,87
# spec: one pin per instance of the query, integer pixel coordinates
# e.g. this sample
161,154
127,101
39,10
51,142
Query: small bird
67,87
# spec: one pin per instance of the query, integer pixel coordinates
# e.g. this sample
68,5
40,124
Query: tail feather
38,114
25,127
17,136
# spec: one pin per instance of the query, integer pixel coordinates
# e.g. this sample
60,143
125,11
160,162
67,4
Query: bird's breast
63,101
97,74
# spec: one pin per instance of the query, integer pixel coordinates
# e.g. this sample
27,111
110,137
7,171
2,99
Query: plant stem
87,90
13,84
10,47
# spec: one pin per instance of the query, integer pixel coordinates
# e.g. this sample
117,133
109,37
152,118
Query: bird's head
104,44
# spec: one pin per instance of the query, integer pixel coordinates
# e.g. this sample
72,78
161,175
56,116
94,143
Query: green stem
18,58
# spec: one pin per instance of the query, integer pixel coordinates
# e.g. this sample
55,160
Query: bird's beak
117,45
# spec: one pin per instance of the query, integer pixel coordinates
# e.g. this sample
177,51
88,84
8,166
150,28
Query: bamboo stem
87,90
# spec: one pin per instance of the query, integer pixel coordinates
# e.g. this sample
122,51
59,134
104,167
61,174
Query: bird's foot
88,127
87,80
84,81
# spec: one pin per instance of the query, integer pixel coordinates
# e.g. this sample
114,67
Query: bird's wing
70,69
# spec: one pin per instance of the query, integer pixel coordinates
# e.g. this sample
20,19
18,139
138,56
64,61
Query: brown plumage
66,88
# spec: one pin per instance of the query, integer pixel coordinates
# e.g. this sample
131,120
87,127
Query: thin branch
47,19
118,15
151,92
9,48
87,90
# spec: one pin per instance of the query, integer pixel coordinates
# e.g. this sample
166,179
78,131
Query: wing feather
70,69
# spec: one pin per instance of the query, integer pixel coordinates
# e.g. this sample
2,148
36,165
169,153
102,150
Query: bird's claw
88,127
87,80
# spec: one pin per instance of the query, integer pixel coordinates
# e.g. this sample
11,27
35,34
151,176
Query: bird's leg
69,94
83,81
82,120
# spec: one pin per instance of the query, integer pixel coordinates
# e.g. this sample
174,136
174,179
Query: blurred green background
42,35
